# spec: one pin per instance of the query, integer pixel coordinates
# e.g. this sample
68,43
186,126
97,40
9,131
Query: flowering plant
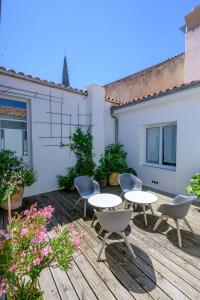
26,249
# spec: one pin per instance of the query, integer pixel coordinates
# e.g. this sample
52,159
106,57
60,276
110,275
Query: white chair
128,182
86,188
177,209
114,221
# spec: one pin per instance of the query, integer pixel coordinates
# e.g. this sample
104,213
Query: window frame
28,159
161,141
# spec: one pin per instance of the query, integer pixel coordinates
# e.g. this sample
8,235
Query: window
161,145
13,126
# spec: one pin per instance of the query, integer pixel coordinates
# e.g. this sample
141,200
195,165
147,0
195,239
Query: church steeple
65,76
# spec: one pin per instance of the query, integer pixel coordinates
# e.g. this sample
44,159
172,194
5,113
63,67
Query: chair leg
158,222
103,245
93,219
188,225
128,244
76,203
100,231
85,208
151,208
145,216
178,233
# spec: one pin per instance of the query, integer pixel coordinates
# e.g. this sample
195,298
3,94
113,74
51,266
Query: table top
104,200
141,197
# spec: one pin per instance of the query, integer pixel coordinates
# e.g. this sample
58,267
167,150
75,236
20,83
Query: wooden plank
160,238
156,294
160,280
47,284
156,259
63,284
79,283
161,247
94,280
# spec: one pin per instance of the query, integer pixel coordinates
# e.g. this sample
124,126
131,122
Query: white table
105,200
144,198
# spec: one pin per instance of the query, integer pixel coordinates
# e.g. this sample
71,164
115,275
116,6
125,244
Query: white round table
105,200
144,198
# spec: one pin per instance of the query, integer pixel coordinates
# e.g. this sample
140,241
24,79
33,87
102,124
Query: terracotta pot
103,182
15,200
113,179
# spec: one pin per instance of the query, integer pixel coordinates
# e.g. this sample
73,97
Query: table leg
145,216
151,208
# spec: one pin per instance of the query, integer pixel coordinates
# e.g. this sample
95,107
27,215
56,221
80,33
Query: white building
159,132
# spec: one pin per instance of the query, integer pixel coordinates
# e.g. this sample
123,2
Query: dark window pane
152,145
169,145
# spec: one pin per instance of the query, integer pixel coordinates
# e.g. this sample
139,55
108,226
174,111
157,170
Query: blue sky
104,39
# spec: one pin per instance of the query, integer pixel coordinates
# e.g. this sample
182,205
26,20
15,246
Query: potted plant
194,185
14,176
101,173
26,249
115,159
68,180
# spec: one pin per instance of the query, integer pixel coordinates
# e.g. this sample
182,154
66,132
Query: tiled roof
158,94
12,112
152,68
113,101
21,75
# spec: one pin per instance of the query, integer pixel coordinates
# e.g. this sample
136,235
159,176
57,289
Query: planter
103,182
113,179
15,200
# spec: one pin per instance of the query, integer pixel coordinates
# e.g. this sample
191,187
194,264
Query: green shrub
68,180
194,185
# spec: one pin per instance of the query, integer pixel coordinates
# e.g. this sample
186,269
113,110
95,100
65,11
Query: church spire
65,76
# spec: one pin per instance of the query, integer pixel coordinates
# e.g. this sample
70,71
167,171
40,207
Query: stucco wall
158,78
183,108
50,161
192,55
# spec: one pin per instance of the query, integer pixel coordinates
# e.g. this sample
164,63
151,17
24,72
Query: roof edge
37,80
170,91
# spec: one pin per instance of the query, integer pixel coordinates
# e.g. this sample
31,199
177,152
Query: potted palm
14,176
115,159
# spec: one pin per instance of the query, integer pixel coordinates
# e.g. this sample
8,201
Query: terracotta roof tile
21,75
178,88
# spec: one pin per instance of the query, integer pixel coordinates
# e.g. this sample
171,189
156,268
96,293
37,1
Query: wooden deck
160,271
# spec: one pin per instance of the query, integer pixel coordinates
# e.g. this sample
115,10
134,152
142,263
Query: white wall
50,161
182,107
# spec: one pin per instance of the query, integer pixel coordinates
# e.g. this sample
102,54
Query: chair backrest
180,205
114,221
129,182
84,185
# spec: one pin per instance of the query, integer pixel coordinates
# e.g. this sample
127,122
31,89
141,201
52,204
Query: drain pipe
116,126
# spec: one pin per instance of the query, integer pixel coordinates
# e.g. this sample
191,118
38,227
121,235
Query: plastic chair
114,221
128,182
86,188
177,209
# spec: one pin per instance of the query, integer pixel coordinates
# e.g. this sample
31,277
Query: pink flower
2,288
24,232
37,261
23,254
1,233
41,236
46,212
77,245
45,251
12,268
